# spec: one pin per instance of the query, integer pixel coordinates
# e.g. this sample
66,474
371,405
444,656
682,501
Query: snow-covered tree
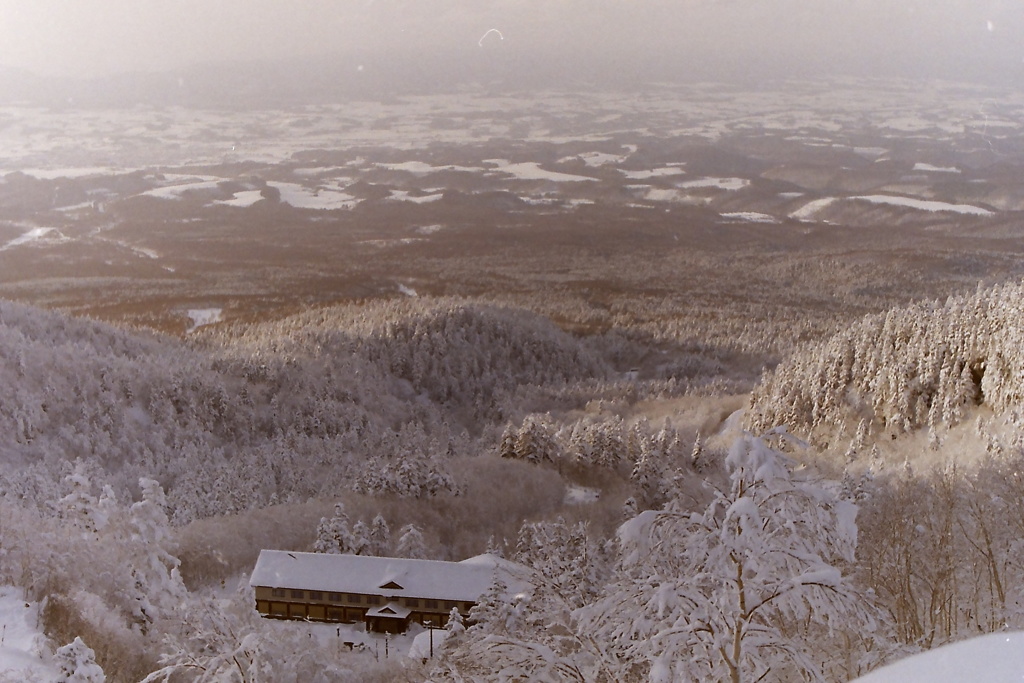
77,664
741,591
380,537
411,543
360,538
334,535
158,587
565,557
455,625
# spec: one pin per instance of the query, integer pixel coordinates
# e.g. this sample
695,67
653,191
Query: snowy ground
24,655
356,638
993,658
576,495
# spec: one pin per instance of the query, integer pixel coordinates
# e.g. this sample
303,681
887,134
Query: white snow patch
811,208
49,235
429,229
176,191
404,196
993,658
925,205
421,644
242,199
82,172
531,170
321,199
310,171
653,173
921,166
408,291
392,242
557,201
730,184
577,495
148,253
422,168
76,207
595,159
870,152
657,194
204,316
750,217
23,652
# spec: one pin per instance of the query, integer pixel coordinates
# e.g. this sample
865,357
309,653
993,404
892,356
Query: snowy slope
993,658
23,652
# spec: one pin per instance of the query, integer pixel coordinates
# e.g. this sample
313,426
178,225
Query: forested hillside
142,474
926,365
295,408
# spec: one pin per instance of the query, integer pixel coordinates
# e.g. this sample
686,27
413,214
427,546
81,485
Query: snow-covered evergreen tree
380,537
334,535
411,543
76,662
455,625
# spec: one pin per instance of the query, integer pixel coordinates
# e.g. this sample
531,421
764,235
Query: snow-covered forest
866,503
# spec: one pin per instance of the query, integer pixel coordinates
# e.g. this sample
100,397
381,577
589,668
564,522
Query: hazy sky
936,37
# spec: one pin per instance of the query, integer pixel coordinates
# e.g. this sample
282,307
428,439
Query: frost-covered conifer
333,535
411,543
494,548
455,624
360,539
380,537
77,664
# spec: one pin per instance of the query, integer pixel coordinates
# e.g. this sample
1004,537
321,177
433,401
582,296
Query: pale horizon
956,39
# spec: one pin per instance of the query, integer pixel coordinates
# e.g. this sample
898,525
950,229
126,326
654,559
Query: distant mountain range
385,73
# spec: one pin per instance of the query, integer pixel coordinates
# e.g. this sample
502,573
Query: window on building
449,604
430,604
355,598
412,602
277,592
316,595
336,597
299,594
373,599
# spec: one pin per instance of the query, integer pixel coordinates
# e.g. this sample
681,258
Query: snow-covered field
323,199
992,658
531,170
204,316
925,205
35,235
729,184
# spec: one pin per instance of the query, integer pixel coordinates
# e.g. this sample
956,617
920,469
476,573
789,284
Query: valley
601,334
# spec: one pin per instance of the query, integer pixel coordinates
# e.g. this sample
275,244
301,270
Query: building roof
392,610
388,576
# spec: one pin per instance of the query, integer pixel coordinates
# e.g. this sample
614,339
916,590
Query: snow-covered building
386,593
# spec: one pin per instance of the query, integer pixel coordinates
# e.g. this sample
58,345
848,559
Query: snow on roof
394,576
392,610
